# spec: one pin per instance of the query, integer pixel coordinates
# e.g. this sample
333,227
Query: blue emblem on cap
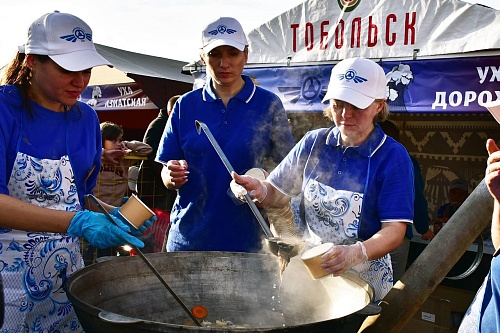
222,29
351,75
78,34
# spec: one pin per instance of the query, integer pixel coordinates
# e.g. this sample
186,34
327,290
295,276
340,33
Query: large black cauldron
123,295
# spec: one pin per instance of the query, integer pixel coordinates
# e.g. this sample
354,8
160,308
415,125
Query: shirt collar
369,147
245,94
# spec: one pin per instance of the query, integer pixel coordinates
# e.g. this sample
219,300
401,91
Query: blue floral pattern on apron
334,216
40,261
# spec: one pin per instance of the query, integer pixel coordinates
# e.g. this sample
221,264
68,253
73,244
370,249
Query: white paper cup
312,259
256,173
135,211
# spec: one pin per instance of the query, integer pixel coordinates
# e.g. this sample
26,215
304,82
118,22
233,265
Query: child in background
113,178
458,192
114,174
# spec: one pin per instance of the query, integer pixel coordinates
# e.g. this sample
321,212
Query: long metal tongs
147,262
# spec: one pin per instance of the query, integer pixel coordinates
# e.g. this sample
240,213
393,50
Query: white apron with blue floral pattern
333,216
34,265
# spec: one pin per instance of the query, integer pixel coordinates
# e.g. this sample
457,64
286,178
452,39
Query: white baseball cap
66,39
357,81
223,31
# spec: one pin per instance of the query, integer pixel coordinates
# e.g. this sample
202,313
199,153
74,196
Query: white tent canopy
440,56
159,78
144,65
320,30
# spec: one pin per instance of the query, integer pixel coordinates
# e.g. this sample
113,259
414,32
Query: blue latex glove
136,232
100,232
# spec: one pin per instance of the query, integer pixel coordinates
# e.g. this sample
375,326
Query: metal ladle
278,246
113,317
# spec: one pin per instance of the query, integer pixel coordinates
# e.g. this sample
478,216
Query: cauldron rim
369,309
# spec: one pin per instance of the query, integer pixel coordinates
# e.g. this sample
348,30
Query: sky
164,28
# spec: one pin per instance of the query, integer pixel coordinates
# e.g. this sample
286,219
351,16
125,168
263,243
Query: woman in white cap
51,155
356,182
250,125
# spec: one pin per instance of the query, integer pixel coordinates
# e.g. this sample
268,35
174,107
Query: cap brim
350,96
79,60
494,108
221,42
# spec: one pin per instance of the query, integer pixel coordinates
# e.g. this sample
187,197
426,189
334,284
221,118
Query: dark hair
390,129
110,131
15,73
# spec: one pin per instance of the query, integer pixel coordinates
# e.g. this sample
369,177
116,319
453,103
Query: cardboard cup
256,173
135,211
312,259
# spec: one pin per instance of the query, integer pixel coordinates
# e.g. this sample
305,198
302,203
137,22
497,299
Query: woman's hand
429,235
342,258
175,174
492,181
241,185
492,174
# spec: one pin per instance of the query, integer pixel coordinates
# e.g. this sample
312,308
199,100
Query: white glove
344,257
238,190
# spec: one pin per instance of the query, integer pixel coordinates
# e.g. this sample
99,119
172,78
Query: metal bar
148,263
214,143
229,168
429,269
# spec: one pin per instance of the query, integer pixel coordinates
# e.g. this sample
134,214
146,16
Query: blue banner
117,97
431,86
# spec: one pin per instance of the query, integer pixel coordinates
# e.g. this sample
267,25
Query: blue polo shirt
75,133
252,131
489,320
380,169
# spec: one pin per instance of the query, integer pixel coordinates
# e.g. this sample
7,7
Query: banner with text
435,86
331,30
115,97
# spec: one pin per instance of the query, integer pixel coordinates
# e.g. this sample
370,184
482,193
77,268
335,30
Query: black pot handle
475,263
370,310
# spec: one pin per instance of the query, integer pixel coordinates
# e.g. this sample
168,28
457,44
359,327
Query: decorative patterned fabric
53,171
40,261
